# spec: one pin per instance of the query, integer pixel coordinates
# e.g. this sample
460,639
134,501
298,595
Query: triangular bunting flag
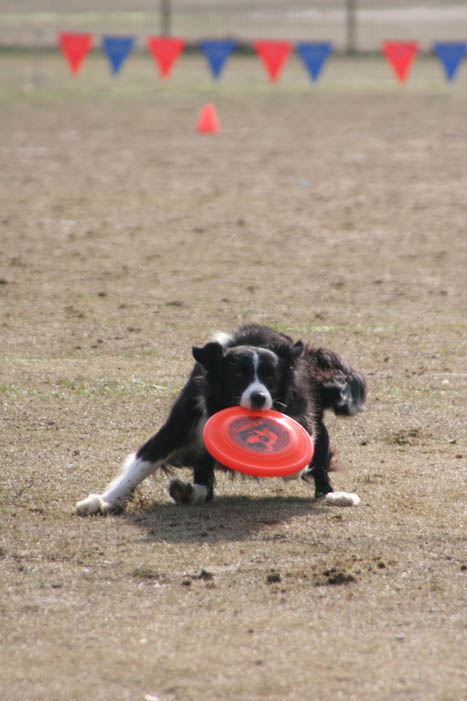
313,55
217,51
74,47
273,54
400,55
117,49
450,54
207,121
165,51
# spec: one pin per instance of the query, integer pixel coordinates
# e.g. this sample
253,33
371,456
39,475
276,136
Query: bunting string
273,54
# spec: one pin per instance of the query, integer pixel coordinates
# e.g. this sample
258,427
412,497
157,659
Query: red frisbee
260,443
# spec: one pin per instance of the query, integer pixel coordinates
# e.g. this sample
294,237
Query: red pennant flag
273,55
74,47
165,51
400,55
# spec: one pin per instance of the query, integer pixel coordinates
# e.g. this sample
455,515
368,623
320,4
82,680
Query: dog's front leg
135,469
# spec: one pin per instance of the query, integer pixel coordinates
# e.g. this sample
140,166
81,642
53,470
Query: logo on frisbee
258,434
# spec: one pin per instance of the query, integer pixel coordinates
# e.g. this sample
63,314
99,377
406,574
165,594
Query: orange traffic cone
208,122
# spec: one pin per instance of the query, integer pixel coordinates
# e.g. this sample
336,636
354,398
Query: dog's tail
337,386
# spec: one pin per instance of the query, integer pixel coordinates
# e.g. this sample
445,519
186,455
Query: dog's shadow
228,518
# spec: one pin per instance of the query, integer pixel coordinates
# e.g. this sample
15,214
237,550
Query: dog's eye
270,382
240,373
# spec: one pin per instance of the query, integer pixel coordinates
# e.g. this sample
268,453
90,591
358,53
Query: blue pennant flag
217,51
313,55
450,54
117,49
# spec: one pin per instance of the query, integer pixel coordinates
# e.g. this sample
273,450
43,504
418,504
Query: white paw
200,493
93,504
187,493
342,499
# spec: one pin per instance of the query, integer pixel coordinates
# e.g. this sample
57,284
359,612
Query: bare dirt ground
335,212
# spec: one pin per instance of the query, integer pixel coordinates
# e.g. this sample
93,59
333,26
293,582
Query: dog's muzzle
258,399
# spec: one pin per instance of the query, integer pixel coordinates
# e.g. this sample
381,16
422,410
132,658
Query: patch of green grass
65,388
309,330
17,391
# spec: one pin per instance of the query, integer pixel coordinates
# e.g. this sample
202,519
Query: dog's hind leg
202,488
319,471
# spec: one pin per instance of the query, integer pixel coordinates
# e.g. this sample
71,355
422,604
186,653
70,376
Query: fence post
351,26
165,18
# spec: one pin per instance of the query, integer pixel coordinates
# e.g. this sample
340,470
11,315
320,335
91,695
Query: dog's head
253,377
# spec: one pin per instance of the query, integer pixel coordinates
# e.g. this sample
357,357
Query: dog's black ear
298,349
289,353
209,355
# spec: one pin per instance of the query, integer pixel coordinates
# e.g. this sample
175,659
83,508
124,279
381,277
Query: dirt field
336,212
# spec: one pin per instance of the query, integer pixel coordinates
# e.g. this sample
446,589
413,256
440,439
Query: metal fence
359,25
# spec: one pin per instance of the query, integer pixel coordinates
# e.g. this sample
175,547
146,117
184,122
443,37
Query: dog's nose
258,400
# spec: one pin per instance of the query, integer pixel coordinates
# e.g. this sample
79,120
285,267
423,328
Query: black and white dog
256,368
